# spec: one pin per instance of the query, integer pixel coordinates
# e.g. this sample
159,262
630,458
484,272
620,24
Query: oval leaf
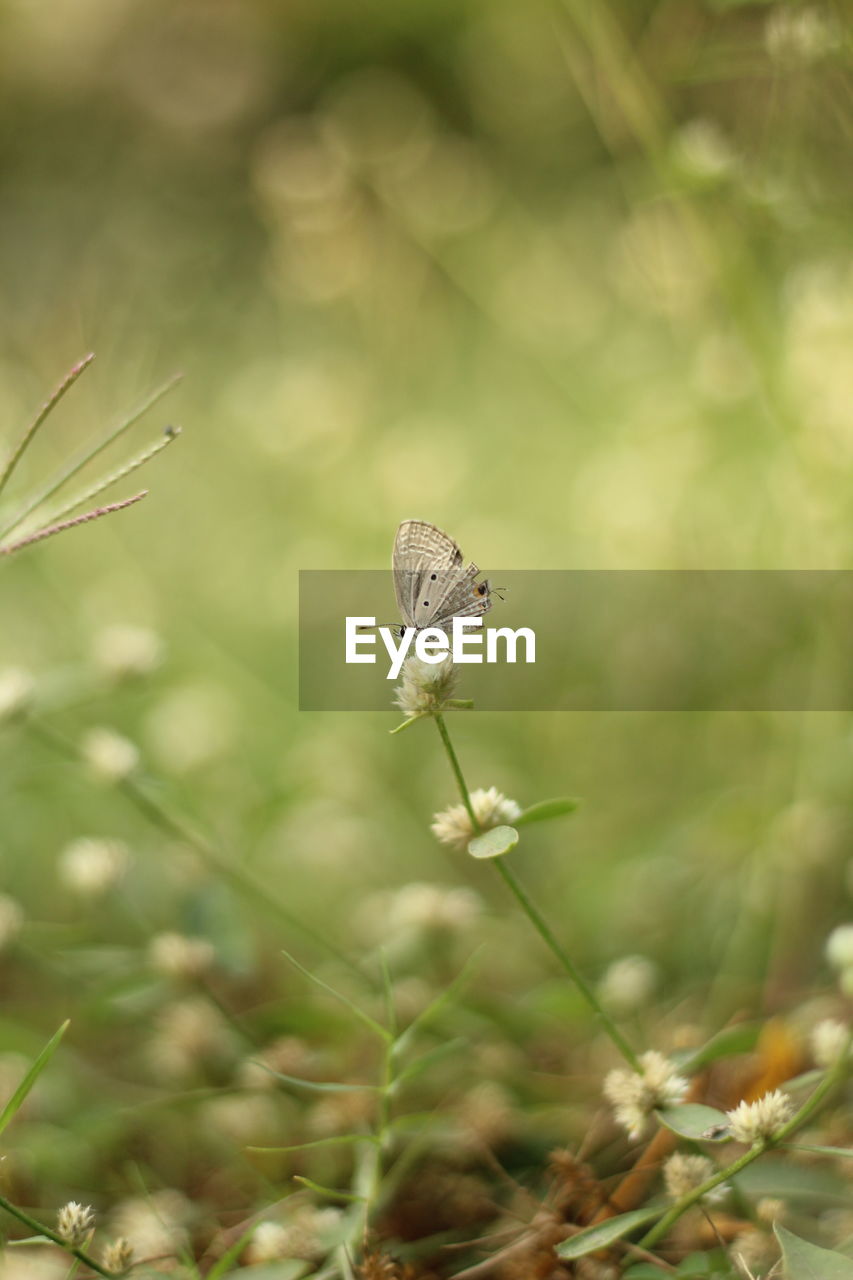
605,1233
804,1261
494,843
547,809
695,1121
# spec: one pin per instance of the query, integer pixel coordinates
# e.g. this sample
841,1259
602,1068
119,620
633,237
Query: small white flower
751,1122
628,984
802,35
684,1173
11,920
125,652
269,1243
174,955
16,693
90,866
425,687
839,947
110,756
432,906
453,826
829,1041
635,1095
74,1222
117,1255
771,1209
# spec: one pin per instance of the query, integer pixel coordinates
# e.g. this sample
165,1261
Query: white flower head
174,955
453,826
433,906
17,688
110,755
117,1255
125,652
828,1041
683,1173
797,34
74,1222
752,1122
634,1095
425,686
90,866
839,947
628,984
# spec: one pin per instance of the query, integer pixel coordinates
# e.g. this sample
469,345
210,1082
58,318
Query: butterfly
430,583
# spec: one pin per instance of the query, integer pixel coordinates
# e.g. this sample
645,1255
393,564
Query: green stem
40,1230
535,916
801,1117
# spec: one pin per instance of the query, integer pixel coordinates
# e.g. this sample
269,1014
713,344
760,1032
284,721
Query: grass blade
65,385
16,1101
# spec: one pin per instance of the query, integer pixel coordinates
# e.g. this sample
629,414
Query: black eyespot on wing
432,577
426,604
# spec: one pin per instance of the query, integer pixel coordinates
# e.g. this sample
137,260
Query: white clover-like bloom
756,1251
839,947
174,955
269,1243
771,1209
492,809
795,34
433,906
628,984
124,652
153,1225
752,1122
189,1033
74,1222
829,1041
17,688
110,755
635,1095
117,1255
684,1173
90,866
703,150
11,920
425,686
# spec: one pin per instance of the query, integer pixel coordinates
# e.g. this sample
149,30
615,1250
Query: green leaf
341,1140
16,1101
846,1153
329,1192
363,1017
695,1121
494,843
545,810
606,1233
732,1040
318,1086
804,1261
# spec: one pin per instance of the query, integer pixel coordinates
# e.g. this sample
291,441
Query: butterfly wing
430,583
423,557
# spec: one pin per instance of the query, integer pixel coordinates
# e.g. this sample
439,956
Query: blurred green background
573,282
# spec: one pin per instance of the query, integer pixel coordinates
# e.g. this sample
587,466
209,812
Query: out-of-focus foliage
574,282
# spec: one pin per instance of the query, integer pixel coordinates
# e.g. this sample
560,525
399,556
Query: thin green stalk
40,1230
534,915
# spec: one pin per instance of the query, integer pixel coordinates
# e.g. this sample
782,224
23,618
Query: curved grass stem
534,915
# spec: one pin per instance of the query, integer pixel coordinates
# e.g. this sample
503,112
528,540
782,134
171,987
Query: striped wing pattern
430,583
